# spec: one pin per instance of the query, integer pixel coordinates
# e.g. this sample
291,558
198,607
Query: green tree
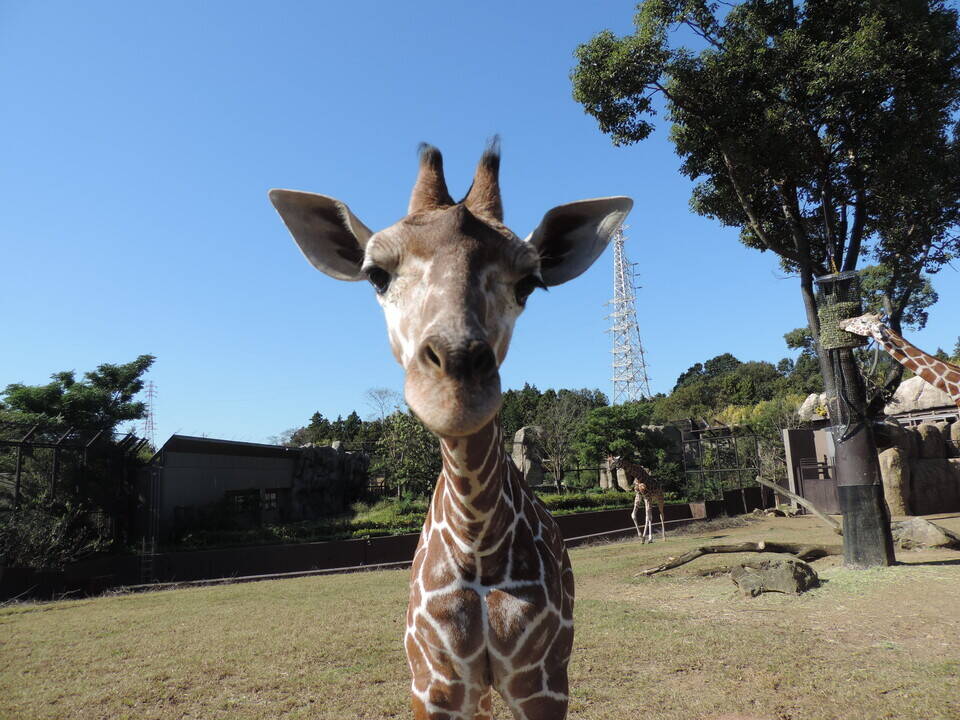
767,419
694,372
318,431
559,417
519,409
101,400
728,381
408,455
56,523
824,130
805,376
613,430
351,426
879,286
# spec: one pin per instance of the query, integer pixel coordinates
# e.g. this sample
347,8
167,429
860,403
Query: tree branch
856,232
798,550
833,524
791,212
750,212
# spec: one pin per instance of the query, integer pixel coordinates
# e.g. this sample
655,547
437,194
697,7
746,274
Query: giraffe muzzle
472,360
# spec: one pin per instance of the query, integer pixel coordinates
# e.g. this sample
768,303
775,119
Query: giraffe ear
329,235
571,237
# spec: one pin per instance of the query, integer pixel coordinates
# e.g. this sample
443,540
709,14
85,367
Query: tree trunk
867,541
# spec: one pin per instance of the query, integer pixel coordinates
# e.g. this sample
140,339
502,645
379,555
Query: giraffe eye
379,278
526,286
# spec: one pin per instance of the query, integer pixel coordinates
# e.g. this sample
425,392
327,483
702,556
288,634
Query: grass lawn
684,644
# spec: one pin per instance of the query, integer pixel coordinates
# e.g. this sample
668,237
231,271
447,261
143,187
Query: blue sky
140,140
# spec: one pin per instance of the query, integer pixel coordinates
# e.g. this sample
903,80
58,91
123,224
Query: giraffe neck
473,500
940,374
897,347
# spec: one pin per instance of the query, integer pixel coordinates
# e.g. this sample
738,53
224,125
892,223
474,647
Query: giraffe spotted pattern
936,372
491,601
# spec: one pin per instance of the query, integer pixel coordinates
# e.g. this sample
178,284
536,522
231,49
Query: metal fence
718,459
45,462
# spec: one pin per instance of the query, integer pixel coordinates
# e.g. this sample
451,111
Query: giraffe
647,489
939,373
491,592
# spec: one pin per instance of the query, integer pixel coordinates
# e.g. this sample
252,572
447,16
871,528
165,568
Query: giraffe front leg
663,531
633,516
549,702
440,700
441,688
648,522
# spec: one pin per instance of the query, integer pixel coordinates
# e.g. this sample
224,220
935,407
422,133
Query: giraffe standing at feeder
491,596
648,490
936,372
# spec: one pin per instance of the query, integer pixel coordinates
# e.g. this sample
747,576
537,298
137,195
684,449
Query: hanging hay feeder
838,299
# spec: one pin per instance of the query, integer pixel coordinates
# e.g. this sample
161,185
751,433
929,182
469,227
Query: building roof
215,446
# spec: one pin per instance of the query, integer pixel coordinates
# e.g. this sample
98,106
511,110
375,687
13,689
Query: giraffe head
451,278
869,325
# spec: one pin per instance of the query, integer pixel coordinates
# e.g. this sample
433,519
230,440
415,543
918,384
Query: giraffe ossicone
939,373
491,595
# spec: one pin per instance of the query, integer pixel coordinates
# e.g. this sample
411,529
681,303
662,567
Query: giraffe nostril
431,356
482,360
464,360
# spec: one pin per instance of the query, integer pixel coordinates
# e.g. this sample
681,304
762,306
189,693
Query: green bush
48,535
586,501
386,517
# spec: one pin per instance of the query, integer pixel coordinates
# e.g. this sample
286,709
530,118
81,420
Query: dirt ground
882,643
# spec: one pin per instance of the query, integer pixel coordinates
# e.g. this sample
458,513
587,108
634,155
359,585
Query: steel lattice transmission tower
630,379
149,429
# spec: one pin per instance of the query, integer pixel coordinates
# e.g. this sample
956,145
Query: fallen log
834,525
802,551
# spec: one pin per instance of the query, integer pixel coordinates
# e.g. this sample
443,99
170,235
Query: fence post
16,475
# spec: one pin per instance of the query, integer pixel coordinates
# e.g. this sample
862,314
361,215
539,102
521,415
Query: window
242,501
270,500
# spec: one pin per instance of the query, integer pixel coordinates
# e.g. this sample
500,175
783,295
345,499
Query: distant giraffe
939,373
647,489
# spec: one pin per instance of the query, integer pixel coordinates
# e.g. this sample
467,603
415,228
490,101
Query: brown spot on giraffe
492,592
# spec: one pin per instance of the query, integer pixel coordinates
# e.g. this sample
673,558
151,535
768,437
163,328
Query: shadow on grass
921,563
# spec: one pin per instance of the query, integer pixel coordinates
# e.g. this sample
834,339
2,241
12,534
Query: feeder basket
838,298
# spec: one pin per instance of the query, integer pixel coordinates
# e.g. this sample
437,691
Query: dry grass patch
874,644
